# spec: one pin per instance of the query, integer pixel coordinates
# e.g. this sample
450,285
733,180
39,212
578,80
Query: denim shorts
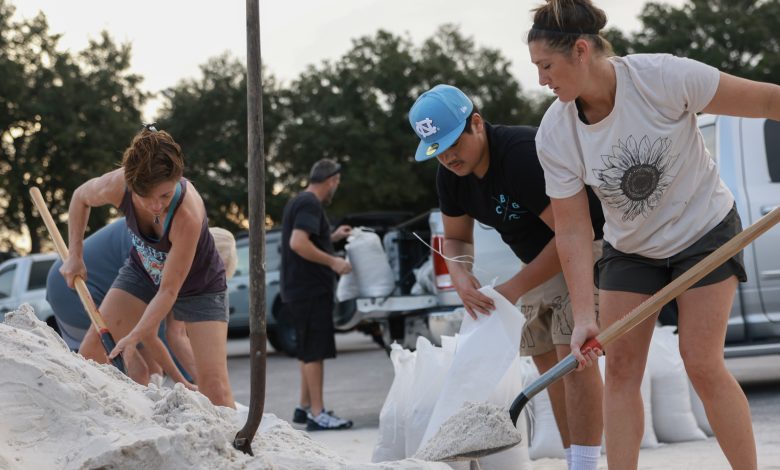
193,308
618,271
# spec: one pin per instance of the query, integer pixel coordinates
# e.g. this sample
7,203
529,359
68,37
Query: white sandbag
390,440
698,412
424,278
430,370
347,288
649,438
544,436
673,417
370,266
485,368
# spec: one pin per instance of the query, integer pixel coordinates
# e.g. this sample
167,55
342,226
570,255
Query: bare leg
121,311
626,359
314,373
176,334
584,397
305,400
209,345
557,393
703,319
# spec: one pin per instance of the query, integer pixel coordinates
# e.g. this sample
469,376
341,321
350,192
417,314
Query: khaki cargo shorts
548,314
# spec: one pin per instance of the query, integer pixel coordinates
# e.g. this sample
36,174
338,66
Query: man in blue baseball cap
491,173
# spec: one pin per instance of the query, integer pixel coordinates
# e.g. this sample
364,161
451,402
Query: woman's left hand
125,345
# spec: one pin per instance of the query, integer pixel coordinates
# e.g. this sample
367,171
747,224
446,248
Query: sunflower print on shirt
636,175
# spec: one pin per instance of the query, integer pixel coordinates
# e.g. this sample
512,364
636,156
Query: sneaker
326,421
299,415
301,412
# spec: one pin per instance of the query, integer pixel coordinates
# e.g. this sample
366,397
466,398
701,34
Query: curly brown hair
153,157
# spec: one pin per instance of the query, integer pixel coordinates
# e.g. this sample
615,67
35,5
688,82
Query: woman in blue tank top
173,264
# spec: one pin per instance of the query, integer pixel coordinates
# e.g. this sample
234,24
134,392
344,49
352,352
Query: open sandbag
486,368
673,417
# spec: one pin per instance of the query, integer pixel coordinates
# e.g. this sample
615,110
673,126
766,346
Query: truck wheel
374,330
282,334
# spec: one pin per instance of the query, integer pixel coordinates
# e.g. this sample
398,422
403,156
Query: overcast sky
172,38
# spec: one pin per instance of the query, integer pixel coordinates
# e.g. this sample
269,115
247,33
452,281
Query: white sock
584,457
568,456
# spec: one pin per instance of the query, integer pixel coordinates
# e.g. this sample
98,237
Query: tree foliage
208,118
63,118
355,110
736,36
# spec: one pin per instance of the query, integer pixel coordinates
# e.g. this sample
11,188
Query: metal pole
256,177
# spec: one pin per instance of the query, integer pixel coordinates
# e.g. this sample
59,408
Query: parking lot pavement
357,382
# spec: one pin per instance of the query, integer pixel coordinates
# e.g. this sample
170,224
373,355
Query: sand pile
61,411
475,427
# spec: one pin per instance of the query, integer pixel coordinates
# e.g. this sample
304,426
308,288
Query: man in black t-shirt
308,280
491,173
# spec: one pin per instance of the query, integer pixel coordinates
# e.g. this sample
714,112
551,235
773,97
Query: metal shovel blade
475,454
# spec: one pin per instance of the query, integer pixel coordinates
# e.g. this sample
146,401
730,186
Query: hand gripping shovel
649,306
638,315
81,286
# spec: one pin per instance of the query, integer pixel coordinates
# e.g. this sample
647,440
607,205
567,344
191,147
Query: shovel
81,286
635,317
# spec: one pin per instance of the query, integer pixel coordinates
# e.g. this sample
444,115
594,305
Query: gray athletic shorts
193,308
618,271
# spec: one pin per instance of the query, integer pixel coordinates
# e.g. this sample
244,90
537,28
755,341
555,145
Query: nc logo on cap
425,127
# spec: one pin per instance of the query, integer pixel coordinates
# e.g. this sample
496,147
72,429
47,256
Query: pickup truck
747,152
403,315
23,280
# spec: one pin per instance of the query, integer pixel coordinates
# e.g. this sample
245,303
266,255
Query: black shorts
313,320
618,271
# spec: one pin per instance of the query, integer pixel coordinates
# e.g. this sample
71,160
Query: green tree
736,36
64,118
207,117
355,111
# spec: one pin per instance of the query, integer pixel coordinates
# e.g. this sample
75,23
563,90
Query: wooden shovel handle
81,287
647,308
688,278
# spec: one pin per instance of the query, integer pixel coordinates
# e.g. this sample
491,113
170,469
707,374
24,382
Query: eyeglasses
151,127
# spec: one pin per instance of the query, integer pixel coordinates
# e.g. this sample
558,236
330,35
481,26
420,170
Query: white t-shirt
646,160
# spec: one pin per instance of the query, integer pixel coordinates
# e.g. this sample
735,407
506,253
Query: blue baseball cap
438,117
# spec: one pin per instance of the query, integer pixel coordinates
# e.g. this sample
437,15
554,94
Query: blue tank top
207,273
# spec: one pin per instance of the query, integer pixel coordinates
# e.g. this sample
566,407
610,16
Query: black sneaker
326,421
299,415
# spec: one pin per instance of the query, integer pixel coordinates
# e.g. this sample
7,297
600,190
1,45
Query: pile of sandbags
673,412
480,364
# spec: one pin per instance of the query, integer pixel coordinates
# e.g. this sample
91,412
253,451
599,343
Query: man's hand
342,232
582,332
340,266
475,301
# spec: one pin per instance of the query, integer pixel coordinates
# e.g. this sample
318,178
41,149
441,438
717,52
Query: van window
38,274
273,255
708,132
772,140
242,260
7,281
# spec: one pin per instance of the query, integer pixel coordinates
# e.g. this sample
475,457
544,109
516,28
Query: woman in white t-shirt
626,126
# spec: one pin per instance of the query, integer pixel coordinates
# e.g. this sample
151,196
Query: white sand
63,412
475,427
